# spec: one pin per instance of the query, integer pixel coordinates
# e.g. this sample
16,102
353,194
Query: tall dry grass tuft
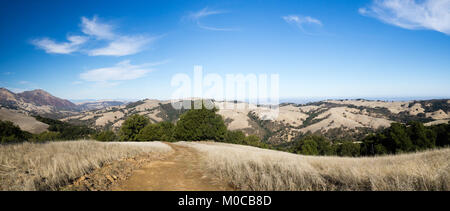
31,166
249,168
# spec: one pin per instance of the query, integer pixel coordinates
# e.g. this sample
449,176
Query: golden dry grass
249,168
31,166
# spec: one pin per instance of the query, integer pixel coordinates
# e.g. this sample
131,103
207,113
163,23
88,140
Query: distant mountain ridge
335,119
98,104
40,97
41,102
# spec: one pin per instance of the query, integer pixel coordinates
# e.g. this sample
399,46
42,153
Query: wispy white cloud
304,23
301,20
50,46
122,46
205,12
97,33
412,14
97,29
120,72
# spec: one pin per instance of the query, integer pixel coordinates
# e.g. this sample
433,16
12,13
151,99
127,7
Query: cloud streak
52,47
95,33
304,23
205,12
301,20
411,14
94,28
122,71
122,46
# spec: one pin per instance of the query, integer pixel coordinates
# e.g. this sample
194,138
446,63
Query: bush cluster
57,130
410,137
319,145
398,138
194,125
10,133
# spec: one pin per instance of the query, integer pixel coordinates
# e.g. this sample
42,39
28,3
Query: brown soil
181,171
104,178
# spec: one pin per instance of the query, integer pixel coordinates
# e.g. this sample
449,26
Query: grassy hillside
25,122
334,119
48,166
249,168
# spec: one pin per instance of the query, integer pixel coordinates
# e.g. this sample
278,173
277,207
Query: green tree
397,139
167,129
47,136
235,137
321,146
10,133
308,147
324,146
200,124
67,131
421,137
162,131
132,127
106,136
253,140
348,149
442,134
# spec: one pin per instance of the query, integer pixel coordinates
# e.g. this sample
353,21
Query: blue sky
132,49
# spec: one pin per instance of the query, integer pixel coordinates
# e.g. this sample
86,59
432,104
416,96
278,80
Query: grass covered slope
25,122
30,166
249,168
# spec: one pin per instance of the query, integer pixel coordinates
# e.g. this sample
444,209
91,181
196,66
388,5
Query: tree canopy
132,127
200,124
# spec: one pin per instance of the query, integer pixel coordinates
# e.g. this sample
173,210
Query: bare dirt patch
103,179
181,171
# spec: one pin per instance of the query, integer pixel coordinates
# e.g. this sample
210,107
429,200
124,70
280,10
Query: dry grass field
48,166
249,168
25,122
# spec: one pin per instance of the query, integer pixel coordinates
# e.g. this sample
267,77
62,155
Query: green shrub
162,131
411,137
421,137
10,133
313,145
253,140
106,136
67,131
199,125
308,147
132,127
348,149
47,136
442,132
235,137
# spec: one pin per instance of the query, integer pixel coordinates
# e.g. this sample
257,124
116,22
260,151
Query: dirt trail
181,171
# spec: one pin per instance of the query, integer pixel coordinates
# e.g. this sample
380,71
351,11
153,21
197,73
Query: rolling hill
335,119
344,119
25,122
40,102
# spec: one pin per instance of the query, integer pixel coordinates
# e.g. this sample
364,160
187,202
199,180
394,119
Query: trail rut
181,171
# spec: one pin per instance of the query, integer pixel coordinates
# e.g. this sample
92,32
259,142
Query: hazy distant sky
131,49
